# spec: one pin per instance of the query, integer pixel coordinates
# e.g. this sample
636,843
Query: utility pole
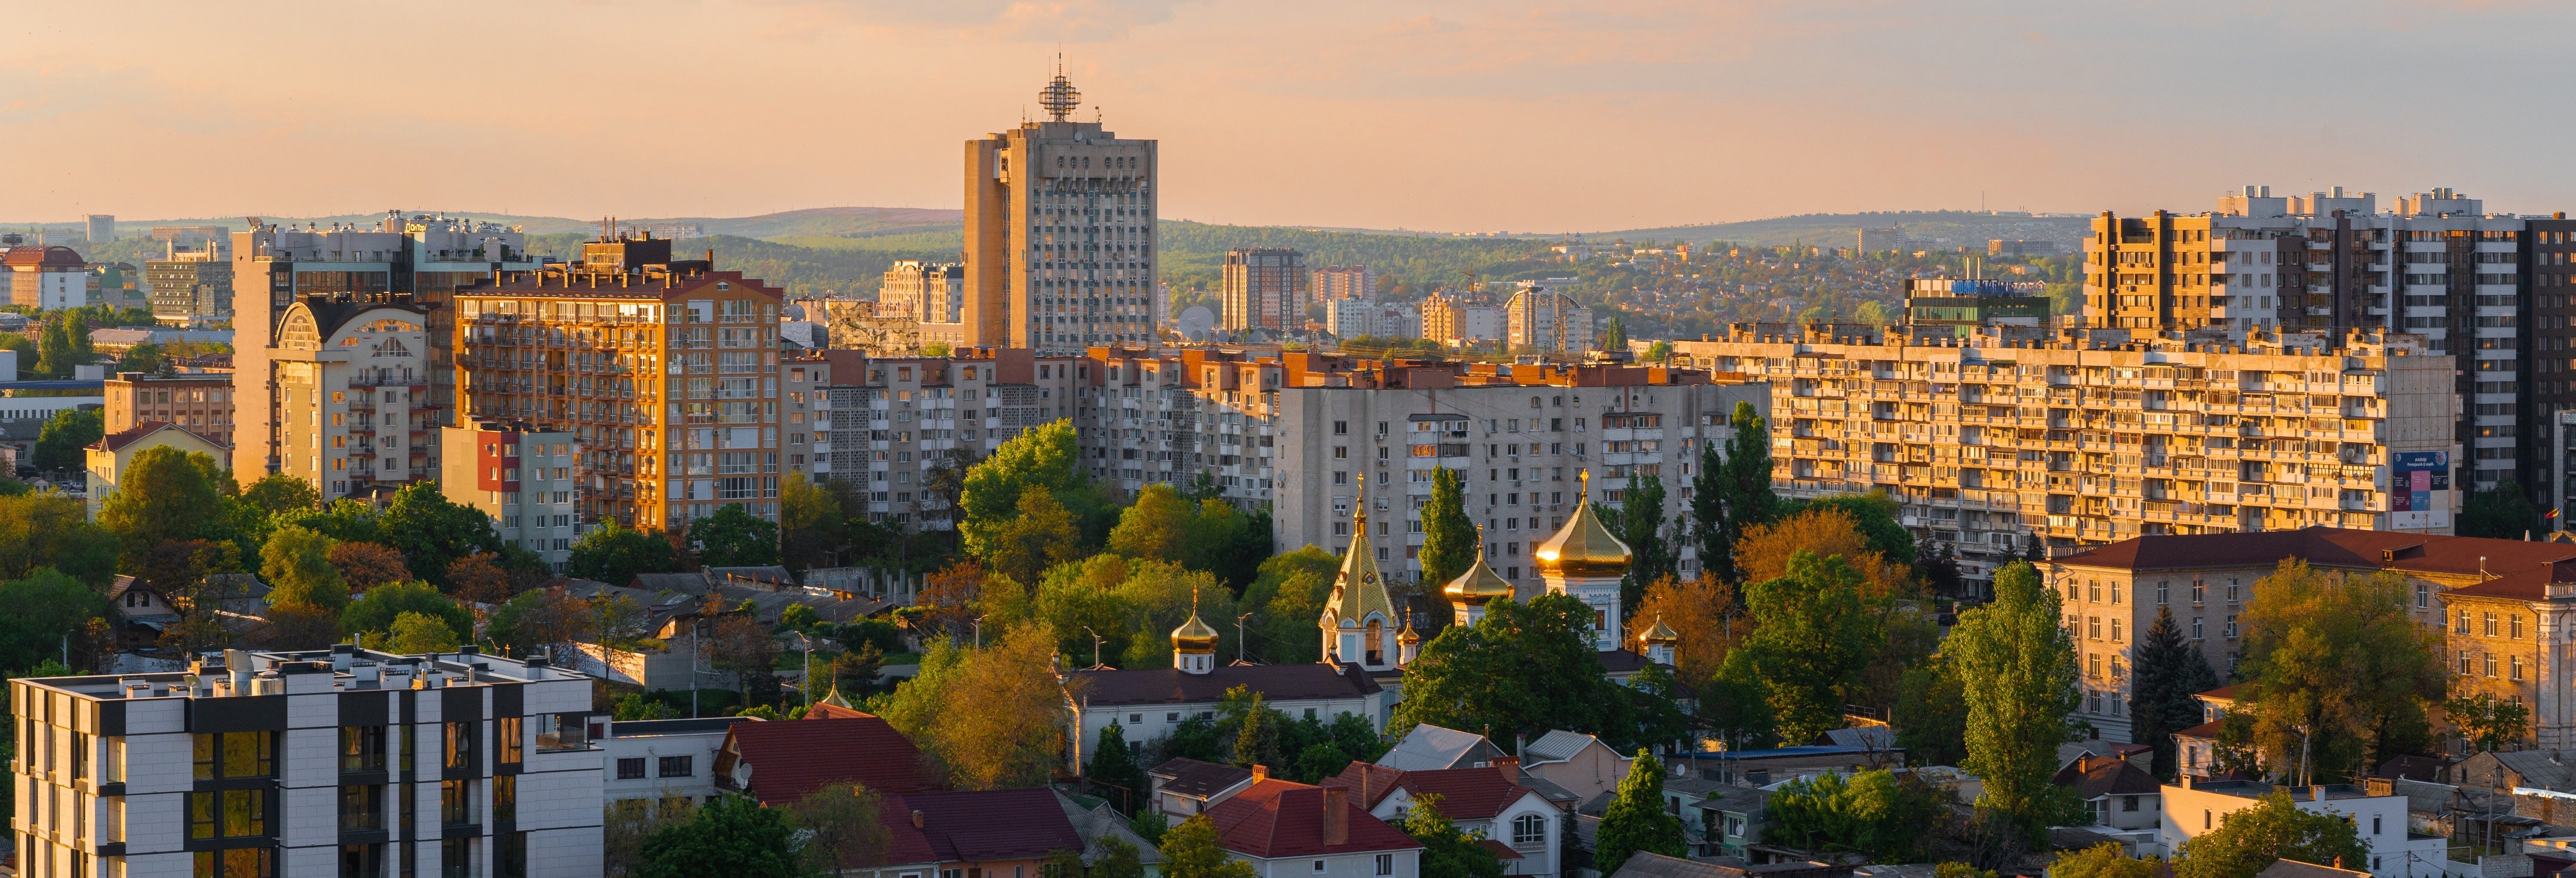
1095,646
1238,637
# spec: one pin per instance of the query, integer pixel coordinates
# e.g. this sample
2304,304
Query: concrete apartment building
1060,234
1461,319
933,294
191,286
199,401
1353,318
1264,289
807,412
310,763
1336,282
425,256
2488,289
664,371
893,422
2503,602
2089,437
520,475
1540,319
1520,436
347,384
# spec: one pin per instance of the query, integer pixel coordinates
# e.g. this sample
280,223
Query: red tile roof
1465,793
1302,682
791,758
2097,777
119,440
2204,730
2326,547
1275,818
976,826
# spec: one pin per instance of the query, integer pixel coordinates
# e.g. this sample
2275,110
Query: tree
1447,851
2504,512
1938,567
1115,858
742,646
297,565
842,826
1873,514
44,609
1257,743
950,595
1931,716
543,618
166,494
2249,840
1157,526
1635,820
1763,550
614,554
813,526
1703,612
631,821
1640,520
2106,860
731,836
377,609
987,719
366,565
432,532
1749,500
1811,639
1711,526
1873,812
60,441
1286,597
2024,665
857,669
1044,535
1522,668
1450,542
1113,767
2164,682
2488,723
1194,850
478,578
415,633
733,537
2337,672
52,530
1044,459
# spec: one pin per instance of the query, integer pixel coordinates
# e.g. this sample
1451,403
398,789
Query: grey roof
1738,800
1557,746
2546,769
1549,790
1430,747
1183,776
1099,824
1872,737
1647,864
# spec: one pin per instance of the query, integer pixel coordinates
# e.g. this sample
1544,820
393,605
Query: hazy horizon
1527,117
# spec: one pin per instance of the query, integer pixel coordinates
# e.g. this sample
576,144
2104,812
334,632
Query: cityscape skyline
1519,118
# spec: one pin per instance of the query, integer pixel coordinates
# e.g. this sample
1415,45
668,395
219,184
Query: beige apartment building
520,475
932,294
2089,437
891,424
351,402
1264,289
1060,234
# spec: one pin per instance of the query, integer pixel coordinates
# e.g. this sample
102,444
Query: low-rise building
978,832
1290,829
198,401
663,758
109,456
344,761
1154,701
779,763
1520,824
1578,762
2195,808
1431,747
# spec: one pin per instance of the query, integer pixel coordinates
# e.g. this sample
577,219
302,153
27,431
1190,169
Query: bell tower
1359,625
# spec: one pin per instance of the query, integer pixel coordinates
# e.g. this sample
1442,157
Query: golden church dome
1479,586
1583,547
1661,633
1194,636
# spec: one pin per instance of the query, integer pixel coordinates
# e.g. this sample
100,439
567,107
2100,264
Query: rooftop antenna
1059,97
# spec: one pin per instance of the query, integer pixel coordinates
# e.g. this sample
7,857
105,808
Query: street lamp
807,683
1238,637
1095,646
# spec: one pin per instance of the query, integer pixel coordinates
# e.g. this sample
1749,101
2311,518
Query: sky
1450,116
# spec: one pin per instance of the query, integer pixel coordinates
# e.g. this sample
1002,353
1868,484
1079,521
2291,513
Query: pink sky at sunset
1450,116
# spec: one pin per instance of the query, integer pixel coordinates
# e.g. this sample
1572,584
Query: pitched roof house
992,833
1578,762
778,763
1287,828
1520,823
1429,746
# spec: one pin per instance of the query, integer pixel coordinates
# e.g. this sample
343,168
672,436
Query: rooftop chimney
1260,773
1337,816
2316,793
1511,766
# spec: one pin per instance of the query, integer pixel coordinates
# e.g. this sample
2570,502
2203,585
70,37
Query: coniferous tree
1111,764
1749,500
2168,672
1449,539
1710,528
1635,821
1640,523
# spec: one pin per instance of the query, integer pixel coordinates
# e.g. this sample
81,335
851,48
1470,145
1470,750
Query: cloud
1080,21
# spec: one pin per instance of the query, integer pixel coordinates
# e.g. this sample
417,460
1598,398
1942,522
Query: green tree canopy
1447,851
731,836
813,526
1044,457
614,554
1636,822
165,495
1640,523
416,633
2249,840
2336,667
2024,663
296,563
1113,766
1286,597
1449,539
1195,850
377,609
1522,668
433,532
733,537
1873,812
52,530
1044,534
2504,512
43,609
60,441
1931,716
1812,637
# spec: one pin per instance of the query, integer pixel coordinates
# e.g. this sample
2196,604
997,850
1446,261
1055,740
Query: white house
2194,808
1490,801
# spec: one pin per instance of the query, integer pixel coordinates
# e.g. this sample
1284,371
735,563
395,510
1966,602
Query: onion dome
1661,634
1194,636
1480,585
1583,548
1408,636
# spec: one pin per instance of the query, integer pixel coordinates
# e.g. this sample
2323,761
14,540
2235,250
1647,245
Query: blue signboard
2414,476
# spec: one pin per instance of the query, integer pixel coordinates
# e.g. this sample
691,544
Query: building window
2486,624
1386,864
362,748
1529,829
456,858
513,861
228,814
362,861
631,768
506,737
237,863
678,766
221,755
2164,590
456,803
505,798
459,740
362,808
